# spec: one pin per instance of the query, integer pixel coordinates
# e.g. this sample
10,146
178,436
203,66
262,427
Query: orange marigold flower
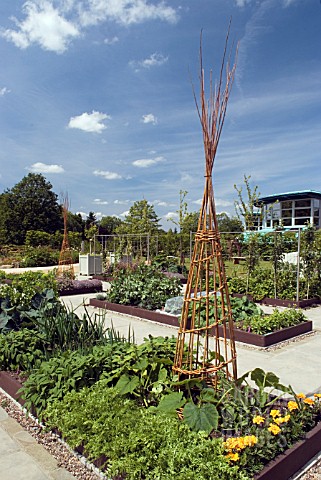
258,419
275,413
250,440
300,395
292,405
233,457
275,429
309,401
281,420
317,395
239,443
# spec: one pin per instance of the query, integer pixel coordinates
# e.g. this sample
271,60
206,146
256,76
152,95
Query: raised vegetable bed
239,335
278,302
281,468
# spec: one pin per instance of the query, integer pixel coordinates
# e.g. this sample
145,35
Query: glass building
291,210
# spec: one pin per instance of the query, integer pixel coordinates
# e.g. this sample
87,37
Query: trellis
197,353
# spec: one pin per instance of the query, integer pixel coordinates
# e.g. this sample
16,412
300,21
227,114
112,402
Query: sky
97,95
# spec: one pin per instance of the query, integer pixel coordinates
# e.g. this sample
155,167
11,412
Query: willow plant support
201,349
65,267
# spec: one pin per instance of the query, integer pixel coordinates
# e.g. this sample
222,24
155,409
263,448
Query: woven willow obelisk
203,348
66,266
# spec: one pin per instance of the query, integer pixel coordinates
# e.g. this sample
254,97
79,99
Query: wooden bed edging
239,335
294,459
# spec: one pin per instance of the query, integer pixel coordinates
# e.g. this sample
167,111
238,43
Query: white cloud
107,175
154,60
287,3
89,122
43,25
125,12
186,178
242,3
98,201
170,215
147,162
149,118
111,41
39,167
124,214
121,202
161,203
223,203
198,201
4,91
53,24
83,215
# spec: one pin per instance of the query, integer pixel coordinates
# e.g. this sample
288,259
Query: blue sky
97,96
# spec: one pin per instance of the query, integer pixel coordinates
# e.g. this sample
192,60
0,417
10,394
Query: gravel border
66,458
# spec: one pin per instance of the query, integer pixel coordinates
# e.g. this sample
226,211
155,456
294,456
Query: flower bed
239,335
80,287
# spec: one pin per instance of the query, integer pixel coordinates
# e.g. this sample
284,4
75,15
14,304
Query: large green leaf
203,417
127,384
171,402
264,379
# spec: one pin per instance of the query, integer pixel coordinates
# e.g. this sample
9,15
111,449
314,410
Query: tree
182,213
140,223
91,220
248,209
29,205
229,224
108,225
141,219
75,223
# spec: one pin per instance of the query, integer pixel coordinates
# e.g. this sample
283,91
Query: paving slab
22,458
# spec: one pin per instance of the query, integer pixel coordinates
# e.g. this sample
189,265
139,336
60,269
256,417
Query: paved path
22,458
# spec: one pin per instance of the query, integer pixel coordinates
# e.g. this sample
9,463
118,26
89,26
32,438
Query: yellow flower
317,395
300,395
250,440
309,401
275,429
239,443
258,420
292,405
275,413
281,420
233,457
